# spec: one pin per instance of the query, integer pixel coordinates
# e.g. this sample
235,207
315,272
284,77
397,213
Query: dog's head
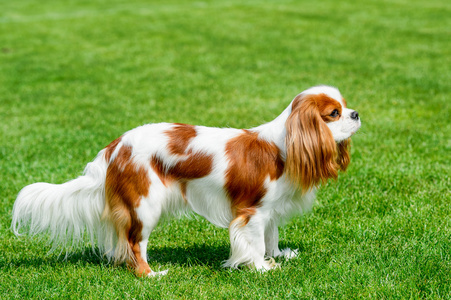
319,128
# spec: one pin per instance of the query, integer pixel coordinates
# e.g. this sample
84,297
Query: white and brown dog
245,180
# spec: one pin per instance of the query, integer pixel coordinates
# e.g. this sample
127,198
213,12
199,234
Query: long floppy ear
344,154
311,150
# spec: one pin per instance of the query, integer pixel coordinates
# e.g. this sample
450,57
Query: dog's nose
355,115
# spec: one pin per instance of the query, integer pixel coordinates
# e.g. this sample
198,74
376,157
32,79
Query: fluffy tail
68,211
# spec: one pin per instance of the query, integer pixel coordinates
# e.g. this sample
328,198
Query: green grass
76,74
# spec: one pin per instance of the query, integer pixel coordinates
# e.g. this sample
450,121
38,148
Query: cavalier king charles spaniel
246,180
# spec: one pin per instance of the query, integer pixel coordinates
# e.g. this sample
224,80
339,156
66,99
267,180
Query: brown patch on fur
245,214
125,184
326,105
110,148
191,166
195,165
183,190
344,102
251,161
311,149
179,138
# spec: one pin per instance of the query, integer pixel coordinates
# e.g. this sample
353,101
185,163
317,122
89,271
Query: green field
74,75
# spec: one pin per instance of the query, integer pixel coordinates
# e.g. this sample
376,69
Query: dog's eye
334,113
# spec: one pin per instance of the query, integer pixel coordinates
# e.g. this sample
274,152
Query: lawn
74,75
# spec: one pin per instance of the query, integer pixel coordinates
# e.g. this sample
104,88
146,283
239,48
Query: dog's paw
266,265
272,264
287,253
160,273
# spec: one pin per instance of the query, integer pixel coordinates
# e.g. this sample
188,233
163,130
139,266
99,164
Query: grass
74,75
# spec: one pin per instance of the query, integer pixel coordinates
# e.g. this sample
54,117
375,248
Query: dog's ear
344,154
311,156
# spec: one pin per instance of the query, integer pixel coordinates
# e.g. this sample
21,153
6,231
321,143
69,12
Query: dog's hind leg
131,209
132,235
148,215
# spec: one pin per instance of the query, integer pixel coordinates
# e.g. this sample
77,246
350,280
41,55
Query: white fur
70,210
345,125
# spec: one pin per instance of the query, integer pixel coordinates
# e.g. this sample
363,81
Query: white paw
161,273
267,265
272,264
287,253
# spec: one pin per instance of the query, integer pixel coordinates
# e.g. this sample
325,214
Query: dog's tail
68,212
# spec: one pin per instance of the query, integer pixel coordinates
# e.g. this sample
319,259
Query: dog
246,180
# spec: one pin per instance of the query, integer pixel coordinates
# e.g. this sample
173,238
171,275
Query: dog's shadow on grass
80,257
194,255
211,256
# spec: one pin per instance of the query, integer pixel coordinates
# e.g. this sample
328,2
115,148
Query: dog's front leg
272,243
272,239
247,243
